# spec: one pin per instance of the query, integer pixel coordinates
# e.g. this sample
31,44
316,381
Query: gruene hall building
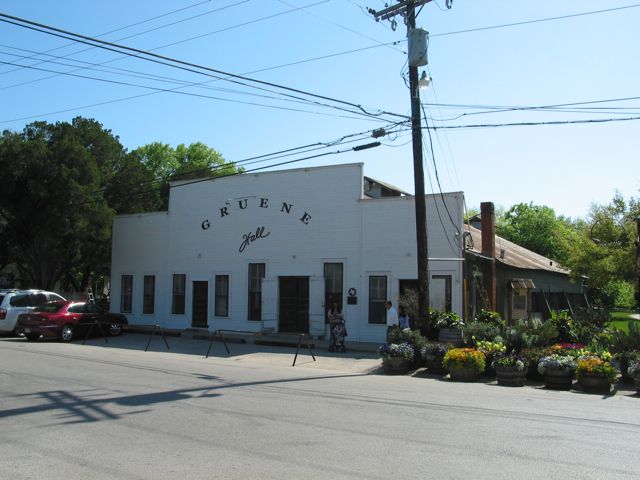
273,251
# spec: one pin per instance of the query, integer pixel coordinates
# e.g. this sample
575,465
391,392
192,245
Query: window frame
126,293
376,304
179,297
254,290
220,298
148,298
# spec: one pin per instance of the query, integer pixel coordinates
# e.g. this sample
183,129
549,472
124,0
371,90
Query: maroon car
67,320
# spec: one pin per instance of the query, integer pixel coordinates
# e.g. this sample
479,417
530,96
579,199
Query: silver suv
15,302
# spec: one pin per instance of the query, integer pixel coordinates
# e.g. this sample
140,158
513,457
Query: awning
518,283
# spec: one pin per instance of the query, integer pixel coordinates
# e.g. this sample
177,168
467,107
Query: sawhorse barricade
90,329
303,336
219,334
154,329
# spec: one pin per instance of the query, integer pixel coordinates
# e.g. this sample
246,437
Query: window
126,294
256,274
332,286
222,296
178,302
377,299
149,294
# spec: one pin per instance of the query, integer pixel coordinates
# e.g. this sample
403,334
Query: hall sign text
260,203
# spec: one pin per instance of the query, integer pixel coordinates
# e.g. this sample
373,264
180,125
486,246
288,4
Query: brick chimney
488,229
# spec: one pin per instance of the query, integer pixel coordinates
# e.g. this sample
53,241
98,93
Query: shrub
476,331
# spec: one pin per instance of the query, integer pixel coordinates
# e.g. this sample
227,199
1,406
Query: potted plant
413,338
449,326
624,360
490,350
557,371
634,372
464,364
433,355
511,369
595,372
532,356
396,357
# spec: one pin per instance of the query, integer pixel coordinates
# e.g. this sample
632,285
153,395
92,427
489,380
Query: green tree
166,164
537,228
604,251
52,208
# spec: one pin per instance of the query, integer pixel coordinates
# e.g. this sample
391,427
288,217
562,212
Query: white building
268,251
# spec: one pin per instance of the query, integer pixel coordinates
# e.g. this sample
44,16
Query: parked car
68,320
14,302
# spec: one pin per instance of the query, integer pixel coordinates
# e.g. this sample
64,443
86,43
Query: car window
39,298
1,299
77,308
92,308
55,297
49,307
23,300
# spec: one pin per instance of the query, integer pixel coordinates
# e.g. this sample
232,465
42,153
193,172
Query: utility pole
407,9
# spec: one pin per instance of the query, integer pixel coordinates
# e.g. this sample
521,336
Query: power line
183,65
519,124
526,22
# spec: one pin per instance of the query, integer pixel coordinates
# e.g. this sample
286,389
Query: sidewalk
273,350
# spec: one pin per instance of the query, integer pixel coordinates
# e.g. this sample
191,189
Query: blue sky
582,58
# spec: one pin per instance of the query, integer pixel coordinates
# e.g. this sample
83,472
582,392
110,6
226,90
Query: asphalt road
96,411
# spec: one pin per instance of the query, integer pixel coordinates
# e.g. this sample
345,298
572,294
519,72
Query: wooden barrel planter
434,364
450,335
463,374
594,382
511,377
396,365
558,379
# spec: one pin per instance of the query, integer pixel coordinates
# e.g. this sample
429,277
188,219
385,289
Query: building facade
272,251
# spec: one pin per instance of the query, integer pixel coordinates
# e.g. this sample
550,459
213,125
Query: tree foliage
63,184
536,228
54,214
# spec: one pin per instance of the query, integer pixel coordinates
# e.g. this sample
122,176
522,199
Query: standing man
392,318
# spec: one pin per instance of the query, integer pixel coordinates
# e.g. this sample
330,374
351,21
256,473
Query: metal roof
512,254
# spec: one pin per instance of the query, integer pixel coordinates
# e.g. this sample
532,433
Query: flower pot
450,335
558,378
624,366
636,381
434,364
396,365
511,377
463,373
594,382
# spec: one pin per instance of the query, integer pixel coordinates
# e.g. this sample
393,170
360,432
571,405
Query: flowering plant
490,348
556,362
465,357
449,320
594,364
510,361
634,368
397,350
435,349
572,349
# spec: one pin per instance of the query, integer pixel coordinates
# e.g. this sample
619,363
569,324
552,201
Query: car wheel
32,337
115,329
66,335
